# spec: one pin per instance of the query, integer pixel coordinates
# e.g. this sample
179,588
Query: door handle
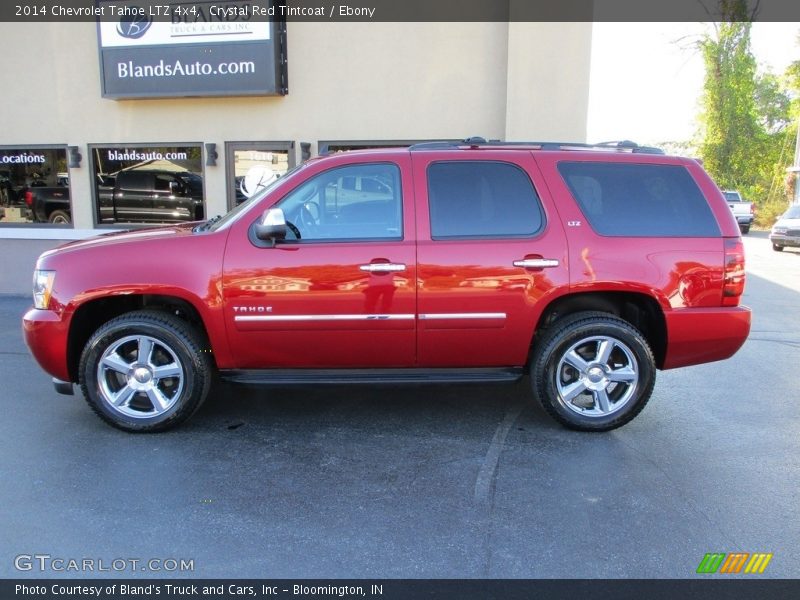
536,263
383,267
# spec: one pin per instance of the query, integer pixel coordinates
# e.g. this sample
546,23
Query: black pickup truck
49,204
134,196
20,195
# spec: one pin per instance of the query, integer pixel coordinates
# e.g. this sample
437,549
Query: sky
646,78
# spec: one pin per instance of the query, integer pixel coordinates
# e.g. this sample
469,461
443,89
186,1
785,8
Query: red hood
125,237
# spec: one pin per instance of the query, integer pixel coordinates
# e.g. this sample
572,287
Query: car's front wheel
592,371
145,371
777,247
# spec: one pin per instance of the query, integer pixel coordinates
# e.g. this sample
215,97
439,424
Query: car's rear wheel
593,371
777,248
145,371
59,217
744,228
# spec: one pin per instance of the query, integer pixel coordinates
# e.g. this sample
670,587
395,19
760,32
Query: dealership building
192,108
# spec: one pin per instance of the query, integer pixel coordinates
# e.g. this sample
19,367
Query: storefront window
254,165
139,183
34,185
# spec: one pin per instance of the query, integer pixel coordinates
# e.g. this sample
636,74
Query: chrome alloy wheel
597,376
140,376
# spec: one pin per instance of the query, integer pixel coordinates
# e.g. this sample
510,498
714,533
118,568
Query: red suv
586,267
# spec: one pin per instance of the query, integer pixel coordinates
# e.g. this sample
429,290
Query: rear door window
639,200
481,199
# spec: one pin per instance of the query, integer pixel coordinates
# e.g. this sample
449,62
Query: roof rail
435,145
633,146
479,142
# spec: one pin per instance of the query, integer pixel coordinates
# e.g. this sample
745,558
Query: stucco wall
368,81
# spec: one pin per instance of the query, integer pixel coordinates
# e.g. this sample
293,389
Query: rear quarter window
639,200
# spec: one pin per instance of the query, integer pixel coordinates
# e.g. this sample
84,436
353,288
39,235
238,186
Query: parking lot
439,482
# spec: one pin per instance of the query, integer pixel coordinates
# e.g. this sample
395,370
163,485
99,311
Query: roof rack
479,142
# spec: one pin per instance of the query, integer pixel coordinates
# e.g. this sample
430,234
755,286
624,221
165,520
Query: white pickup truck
744,212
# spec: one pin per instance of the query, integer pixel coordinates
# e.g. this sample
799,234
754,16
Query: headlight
43,288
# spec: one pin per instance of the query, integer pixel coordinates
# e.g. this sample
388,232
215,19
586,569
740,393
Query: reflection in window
361,201
135,184
34,186
254,170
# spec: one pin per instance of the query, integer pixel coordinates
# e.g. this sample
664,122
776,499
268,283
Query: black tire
59,216
777,248
629,357
744,229
172,346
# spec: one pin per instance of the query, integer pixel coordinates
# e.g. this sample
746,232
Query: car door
133,196
491,252
343,295
168,204
172,199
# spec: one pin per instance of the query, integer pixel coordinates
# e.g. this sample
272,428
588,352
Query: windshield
236,211
792,213
732,196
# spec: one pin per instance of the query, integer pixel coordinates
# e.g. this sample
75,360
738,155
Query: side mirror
175,187
272,226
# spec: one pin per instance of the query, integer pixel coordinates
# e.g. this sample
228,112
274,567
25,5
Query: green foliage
729,112
769,213
772,103
748,119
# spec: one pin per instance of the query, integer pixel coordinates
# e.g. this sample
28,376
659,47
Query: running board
370,376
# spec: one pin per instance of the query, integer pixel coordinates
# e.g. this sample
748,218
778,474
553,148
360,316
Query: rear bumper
702,335
45,333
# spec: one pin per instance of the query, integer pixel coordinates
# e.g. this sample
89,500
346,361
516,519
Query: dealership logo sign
149,54
133,26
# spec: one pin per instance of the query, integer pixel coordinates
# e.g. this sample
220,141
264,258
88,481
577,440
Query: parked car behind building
786,231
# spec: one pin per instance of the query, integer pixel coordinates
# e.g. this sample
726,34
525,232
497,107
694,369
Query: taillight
733,284
753,209
29,198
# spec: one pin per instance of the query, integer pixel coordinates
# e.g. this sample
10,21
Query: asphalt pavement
440,482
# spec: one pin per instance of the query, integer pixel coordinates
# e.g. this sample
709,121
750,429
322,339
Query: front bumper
702,335
781,239
45,333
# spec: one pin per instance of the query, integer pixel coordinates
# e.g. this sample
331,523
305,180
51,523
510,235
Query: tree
729,118
748,119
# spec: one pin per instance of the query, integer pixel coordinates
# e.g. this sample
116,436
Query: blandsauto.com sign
214,49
